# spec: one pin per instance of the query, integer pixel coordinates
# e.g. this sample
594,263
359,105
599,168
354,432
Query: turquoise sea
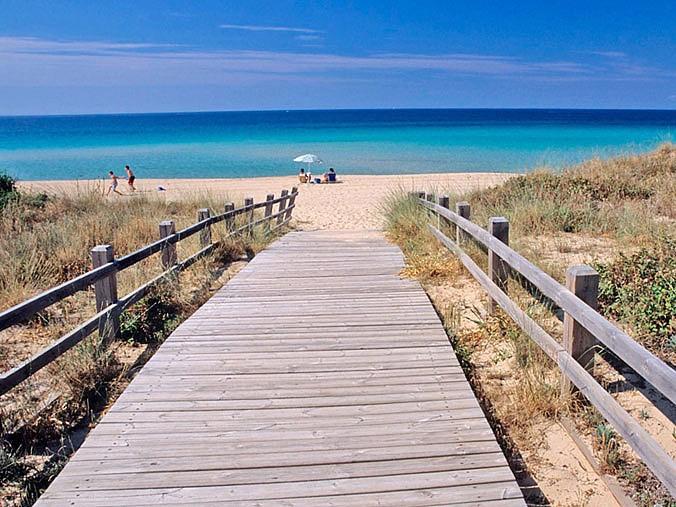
264,143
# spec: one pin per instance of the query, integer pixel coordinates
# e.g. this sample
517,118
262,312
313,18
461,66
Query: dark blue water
263,143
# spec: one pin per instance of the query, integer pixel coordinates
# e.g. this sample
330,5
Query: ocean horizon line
347,109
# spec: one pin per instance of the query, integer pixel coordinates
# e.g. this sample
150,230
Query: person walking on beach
130,178
113,184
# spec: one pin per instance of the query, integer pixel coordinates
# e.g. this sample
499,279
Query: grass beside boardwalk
618,215
47,240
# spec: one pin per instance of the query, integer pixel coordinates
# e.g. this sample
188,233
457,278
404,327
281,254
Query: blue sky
61,57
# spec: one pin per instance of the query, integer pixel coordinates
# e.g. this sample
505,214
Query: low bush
640,290
8,191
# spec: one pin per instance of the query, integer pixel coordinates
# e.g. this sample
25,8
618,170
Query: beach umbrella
308,159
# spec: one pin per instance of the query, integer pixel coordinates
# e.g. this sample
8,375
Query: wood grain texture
317,376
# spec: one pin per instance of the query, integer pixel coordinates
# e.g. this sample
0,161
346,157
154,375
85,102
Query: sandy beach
353,203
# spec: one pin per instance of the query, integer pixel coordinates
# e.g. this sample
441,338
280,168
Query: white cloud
265,28
608,54
308,37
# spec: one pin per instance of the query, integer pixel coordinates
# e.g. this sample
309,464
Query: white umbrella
308,159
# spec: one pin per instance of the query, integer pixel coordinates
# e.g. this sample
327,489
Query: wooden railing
104,278
583,325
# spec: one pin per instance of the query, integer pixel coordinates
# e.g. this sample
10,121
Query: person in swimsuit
130,178
113,184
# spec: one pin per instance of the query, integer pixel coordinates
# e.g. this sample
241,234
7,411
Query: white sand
351,204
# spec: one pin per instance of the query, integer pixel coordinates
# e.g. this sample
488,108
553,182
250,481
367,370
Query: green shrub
640,290
152,319
8,191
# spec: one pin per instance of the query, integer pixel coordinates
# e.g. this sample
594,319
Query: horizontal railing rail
503,262
103,319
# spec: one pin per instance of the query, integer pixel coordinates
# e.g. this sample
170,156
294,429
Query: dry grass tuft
407,226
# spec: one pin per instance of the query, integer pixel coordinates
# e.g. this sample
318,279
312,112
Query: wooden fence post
229,221
268,204
268,210
497,269
292,200
169,257
106,294
282,207
421,195
205,234
429,197
462,209
583,281
444,202
248,204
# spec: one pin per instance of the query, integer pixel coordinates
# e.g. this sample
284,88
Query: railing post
583,281
205,234
169,257
248,204
497,269
229,221
462,209
268,204
421,195
429,197
282,207
292,200
444,202
106,294
268,210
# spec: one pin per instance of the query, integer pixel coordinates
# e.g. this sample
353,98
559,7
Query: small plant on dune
607,446
12,467
152,319
8,191
640,290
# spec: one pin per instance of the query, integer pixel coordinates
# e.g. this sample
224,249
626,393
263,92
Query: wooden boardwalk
315,377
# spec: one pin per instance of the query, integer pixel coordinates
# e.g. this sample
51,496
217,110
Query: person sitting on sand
302,177
113,184
329,177
130,178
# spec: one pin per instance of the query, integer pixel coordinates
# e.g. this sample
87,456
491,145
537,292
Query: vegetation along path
316,376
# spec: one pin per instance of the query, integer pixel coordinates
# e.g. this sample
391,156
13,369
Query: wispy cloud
606,54
308,37
265,28
34,61
34,45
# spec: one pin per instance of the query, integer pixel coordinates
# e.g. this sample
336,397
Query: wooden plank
197,476
503,493
237,493
238,459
